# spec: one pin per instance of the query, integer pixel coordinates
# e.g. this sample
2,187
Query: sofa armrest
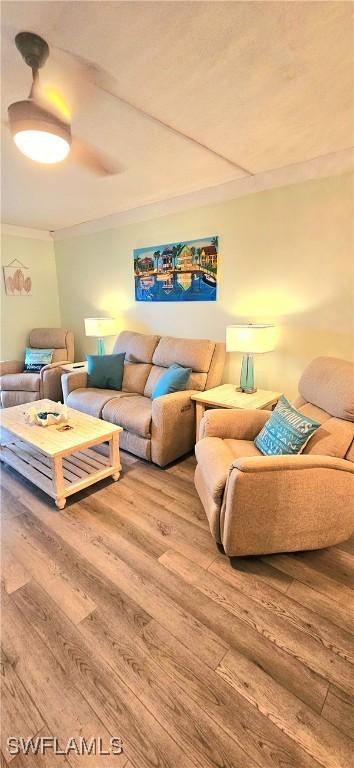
291,463
50,366
172,427
231,423
11,366
71,381
50,386
287,503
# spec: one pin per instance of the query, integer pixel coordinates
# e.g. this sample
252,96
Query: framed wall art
184,271
17,279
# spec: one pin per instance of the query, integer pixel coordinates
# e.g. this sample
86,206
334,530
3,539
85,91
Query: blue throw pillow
36,359
286,431
105,371
174,380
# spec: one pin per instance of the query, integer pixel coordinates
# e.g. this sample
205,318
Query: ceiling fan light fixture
41,146
39,134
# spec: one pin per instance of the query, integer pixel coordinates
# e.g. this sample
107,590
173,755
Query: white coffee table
59,462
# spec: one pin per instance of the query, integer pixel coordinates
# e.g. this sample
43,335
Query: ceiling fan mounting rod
35,78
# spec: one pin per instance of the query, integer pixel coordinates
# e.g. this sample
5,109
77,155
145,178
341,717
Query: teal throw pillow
286,431
105,371
36,359
175,379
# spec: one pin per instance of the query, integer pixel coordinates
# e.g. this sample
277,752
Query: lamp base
101,350
247,376
247,391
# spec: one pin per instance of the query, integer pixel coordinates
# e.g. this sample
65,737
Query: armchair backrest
326,393
147,356
59,339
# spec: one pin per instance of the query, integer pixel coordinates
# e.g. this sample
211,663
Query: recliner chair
259,504
18,386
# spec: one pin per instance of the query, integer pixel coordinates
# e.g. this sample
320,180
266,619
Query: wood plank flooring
121,617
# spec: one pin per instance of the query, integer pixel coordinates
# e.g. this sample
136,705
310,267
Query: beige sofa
18,386
158,430
259,504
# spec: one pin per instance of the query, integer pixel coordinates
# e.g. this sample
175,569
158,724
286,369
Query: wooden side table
226,396
72,367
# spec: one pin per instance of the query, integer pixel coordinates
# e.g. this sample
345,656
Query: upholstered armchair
258,504
18,386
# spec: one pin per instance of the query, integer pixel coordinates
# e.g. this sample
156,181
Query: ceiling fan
41,134
45,137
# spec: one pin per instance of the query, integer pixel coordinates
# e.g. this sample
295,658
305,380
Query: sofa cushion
59,355
133,413
329,383
216,366
242,449
333,438
313,412
139,446
20,382
135,377
191,353
9,399
92,401
48,337
60,339
195,381
138,347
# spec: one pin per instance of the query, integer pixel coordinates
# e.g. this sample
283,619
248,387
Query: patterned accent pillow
36,359
286,431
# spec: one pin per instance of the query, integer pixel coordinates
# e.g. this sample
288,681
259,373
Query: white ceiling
264,84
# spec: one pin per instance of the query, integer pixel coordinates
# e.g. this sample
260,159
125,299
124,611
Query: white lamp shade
100,326
250,339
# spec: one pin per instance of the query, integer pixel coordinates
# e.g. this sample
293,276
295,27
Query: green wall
285,256
21,313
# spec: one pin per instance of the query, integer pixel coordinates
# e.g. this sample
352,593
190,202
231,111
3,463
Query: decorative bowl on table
57,414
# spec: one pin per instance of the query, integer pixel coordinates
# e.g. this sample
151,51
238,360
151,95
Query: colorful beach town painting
184,271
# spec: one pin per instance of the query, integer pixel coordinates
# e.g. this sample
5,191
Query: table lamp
249,339
100,327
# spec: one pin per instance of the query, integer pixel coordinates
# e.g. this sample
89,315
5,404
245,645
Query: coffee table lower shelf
59,476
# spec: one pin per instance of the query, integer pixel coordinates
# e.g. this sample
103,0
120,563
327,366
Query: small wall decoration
17,279
184,271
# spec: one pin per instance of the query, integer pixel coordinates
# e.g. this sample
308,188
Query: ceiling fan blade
50,99
92,159
94,74
90,72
